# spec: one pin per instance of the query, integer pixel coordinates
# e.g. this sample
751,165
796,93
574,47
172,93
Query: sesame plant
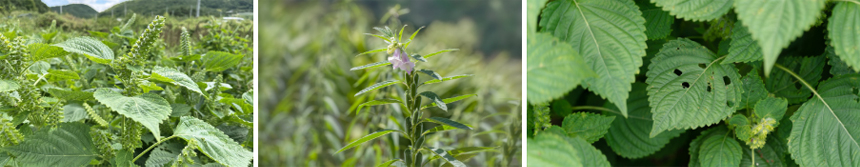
727,82
116,99
412,122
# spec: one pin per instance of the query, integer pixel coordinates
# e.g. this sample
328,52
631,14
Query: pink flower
400,60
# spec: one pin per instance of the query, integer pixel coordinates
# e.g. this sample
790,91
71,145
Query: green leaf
447,157
782,84
447,78
554,68
371,65
212,142
843,28
175,77
448,122
412,37
774,24
72,95
450,100
217,61
419,57
73,112
772,154
377,86
160,156
696,10
8,85
373,51
147,109
754,89
431,73
609,34
588,126
435,99
61,75
439,52
771,107
534,7
658,23
379,36
41,51
90,47
124,158
837,66
441,129
68,145
742,47
388,163
551,150
742,127
720,149
628,137
688,88
376,103
364,139
826,129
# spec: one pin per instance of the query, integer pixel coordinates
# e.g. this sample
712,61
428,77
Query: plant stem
752,156
604,109
151,147
801,81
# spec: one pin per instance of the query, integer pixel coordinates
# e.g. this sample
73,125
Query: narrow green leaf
419,57
68,145
217,61
364,139
8,85
388,163
588,126
696,10
412,37
147,109
450,100
377,86
431,73
372,51
213,142
371,65
379,36
439,52
447,78
447,157
90,47
400,35
448,122
375,103
176,78
435,99
844,32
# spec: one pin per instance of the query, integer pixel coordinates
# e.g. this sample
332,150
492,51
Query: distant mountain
77,10
180,7
7,6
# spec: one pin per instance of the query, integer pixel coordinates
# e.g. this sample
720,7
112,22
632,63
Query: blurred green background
306,88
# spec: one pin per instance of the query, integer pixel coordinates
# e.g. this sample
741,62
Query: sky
98,5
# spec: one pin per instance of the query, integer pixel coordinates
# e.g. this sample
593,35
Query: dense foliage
7,6
180,8
123,98
308,104
728,82
77,10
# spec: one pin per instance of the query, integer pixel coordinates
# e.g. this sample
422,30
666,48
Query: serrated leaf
175,77
375,103
90,47
588,126
771,107
449,100
609,34
160,156
73,95
720,149
551,150
371,65
629,137
554,68
742,47
826,129
782,84
217,61
68,145
439,52
7,85
843,28
124,158
435,99
837,66
696,10
213,143
534,7
658,23
448,122
147,109
364,139
41,51
774,24
754,89
447,157
447,78
431,73
688,88
377,86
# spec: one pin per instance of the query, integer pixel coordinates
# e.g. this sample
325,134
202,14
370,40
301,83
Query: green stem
604,109
151,147
801,81
752,156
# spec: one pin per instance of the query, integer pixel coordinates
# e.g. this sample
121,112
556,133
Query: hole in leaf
709,87
798,85
678,72
856,91
685,85
702,65
730,103
727,80
677,48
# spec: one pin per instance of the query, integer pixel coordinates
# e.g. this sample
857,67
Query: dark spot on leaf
798,85
677,48
730,103
678,72
727,80
685,85
709,87
702,65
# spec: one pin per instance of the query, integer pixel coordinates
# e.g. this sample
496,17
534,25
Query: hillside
7,6
77,10
180,8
